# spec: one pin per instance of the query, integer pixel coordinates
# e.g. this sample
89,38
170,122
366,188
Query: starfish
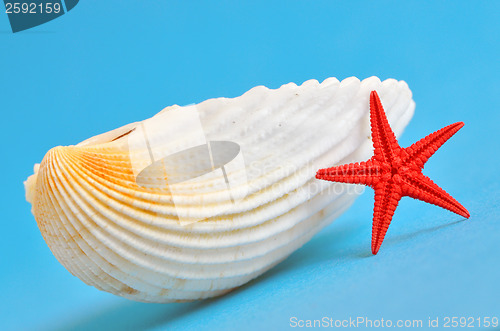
394,172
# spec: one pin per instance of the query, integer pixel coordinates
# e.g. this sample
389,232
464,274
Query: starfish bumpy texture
394,172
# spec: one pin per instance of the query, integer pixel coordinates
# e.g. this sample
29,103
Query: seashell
198,200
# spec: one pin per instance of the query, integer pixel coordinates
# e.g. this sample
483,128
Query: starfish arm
421,187
387,196
365,173
384,141
422,150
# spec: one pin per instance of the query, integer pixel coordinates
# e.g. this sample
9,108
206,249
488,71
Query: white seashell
198,200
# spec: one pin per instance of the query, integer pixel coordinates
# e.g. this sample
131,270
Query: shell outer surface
201,199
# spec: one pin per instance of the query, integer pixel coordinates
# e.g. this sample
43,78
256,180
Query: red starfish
394,172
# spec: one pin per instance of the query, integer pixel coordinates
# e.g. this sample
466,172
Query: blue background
108,63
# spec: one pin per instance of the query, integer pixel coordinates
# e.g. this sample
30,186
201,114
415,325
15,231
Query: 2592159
32,8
